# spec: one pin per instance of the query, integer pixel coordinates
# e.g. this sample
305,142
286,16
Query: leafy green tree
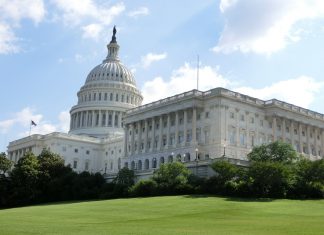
144,188
125,177
224,180
274,152
172,177
5,163
25,179
270,179
309,179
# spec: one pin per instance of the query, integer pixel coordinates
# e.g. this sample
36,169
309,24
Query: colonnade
96,118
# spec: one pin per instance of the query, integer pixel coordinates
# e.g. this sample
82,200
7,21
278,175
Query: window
106,96
76,150
86,167
75,164
231,115
252,120
99,96
154,163
232,135
111,96
242,118
88,152
207,115
116,97
242,139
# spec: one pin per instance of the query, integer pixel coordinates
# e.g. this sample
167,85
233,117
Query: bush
144,188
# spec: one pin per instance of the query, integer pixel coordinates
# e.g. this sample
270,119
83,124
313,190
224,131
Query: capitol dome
110,89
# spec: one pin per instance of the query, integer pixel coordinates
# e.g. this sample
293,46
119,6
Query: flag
33,123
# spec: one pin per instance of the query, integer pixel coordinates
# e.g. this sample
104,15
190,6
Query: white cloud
92,31
266,26
141,11
183,79
300,91
23,118
11,13
90,16
7,40
149,58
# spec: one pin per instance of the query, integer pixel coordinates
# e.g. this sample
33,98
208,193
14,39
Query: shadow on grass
232,199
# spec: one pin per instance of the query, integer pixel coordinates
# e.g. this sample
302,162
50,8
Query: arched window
161,160
154,163
170,158
139,165
179,158
187,157
126,164
119,163
133,165
147,164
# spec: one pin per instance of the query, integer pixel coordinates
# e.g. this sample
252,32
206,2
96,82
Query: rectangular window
86,167
75,164
76,150
207,115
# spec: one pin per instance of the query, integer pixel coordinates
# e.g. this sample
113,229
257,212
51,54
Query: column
126,136
308,140
100,118
120,119
176,137
145,134
160,132
315,141
113,119
194,126
93,118
237,129
274,128
292,137
107,115
283,130
185,120
86,120
153,134
168,130
132,138
139,137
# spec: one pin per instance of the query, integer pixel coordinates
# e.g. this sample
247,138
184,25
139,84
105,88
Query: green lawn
168,215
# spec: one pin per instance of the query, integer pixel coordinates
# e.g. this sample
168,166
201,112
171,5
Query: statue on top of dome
113,39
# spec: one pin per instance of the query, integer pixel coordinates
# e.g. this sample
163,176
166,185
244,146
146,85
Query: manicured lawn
168,215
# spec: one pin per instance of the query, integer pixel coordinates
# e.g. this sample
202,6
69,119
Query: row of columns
318,144
256,128
96,118
157,133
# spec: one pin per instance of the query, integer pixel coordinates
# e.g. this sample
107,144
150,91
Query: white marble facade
110,129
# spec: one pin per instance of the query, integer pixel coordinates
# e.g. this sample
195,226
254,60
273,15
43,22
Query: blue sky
265,49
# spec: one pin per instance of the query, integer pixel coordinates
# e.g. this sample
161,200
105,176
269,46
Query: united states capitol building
110,129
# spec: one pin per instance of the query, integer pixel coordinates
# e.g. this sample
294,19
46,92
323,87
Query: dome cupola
110,89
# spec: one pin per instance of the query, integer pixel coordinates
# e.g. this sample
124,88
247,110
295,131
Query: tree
172,177
274,152
25,179
5,164
125,177
270,179
309,179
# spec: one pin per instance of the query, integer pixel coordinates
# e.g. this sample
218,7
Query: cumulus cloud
183,79
23,118
300,91
11,13
149,58
141,11
89,15
266,26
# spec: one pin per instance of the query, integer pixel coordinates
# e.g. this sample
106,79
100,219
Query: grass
167,216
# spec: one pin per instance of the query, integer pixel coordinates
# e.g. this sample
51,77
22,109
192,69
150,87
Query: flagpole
197,72
30,124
